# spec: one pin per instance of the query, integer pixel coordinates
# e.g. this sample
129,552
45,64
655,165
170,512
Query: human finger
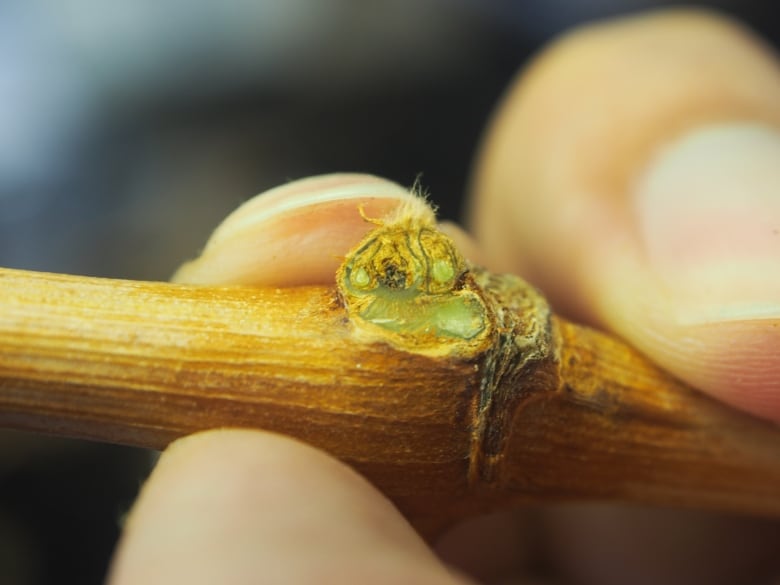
241,506
295,234
633,174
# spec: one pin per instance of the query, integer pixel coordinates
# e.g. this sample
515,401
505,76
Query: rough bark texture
584,417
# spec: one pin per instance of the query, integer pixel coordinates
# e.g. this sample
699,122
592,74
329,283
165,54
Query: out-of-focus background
128,130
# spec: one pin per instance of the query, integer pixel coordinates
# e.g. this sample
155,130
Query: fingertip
738,363
581,122
733,360
238,506
633,172
708,220
294,234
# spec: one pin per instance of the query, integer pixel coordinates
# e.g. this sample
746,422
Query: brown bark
143,363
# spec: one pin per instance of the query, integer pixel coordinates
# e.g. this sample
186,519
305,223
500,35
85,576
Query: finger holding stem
446,422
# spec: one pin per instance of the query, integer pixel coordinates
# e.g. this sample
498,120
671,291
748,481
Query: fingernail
709,213
294,234
304,193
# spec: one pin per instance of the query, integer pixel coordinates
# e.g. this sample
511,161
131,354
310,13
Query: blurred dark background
129,130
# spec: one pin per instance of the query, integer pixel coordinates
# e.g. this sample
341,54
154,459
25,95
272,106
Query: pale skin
582,185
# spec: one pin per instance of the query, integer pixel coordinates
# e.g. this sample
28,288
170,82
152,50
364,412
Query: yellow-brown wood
619,428
144,363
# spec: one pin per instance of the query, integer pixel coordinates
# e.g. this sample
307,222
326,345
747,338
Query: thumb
241,506
633,174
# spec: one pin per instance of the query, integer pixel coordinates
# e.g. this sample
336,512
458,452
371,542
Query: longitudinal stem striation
453,390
